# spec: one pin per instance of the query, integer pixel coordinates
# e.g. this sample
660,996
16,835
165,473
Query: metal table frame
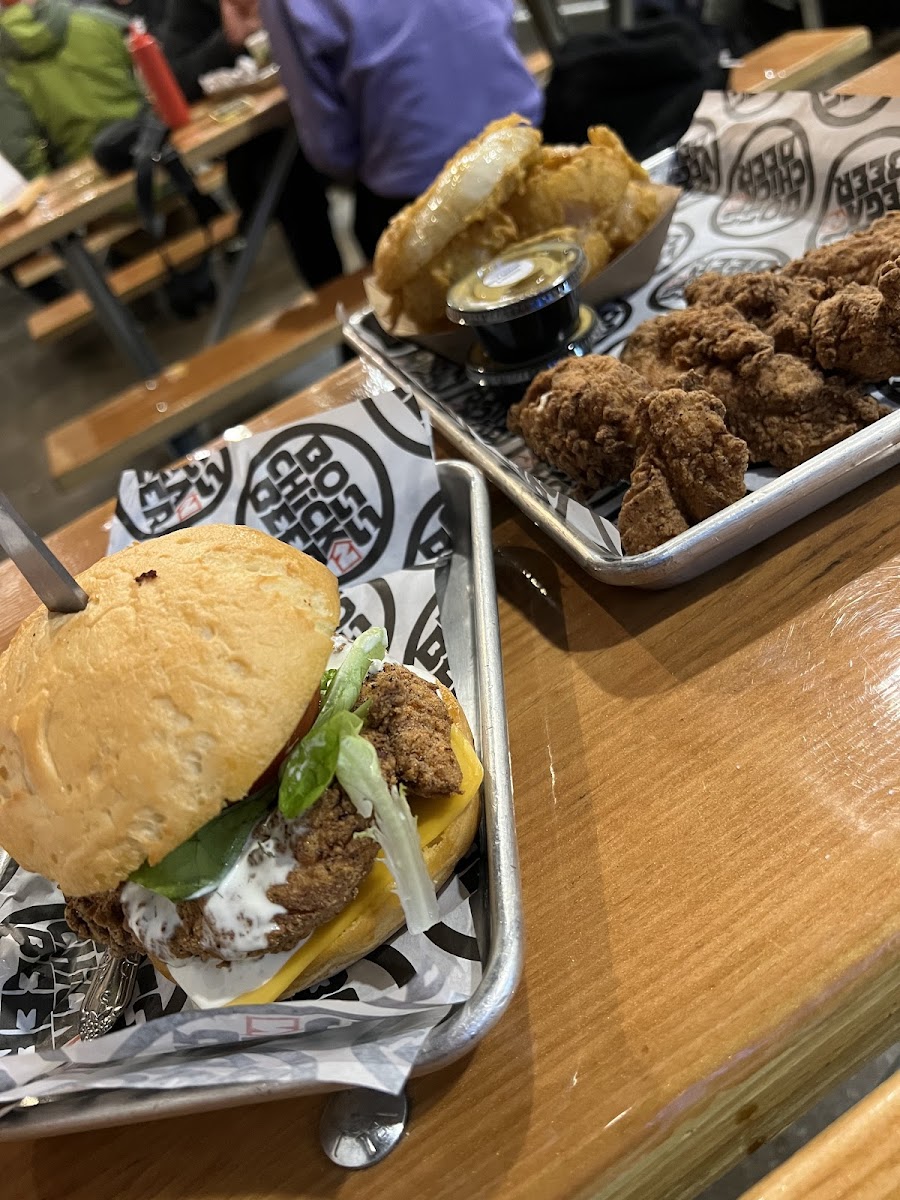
115,317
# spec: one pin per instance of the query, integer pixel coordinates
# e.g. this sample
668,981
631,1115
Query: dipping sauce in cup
511,379
522,305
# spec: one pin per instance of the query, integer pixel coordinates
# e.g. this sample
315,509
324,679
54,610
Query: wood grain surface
795,59
81,192
883,79
856,1158
707,796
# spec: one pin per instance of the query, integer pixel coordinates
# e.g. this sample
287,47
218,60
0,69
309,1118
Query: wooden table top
81,192
795,59
883,79
709,827
856,1158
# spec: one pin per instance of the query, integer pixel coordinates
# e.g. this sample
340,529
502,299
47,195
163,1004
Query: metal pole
115,317
262,215
622,14
812,14
548,22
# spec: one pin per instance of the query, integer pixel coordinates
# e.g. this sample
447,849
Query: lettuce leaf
359,774
311,765
343,691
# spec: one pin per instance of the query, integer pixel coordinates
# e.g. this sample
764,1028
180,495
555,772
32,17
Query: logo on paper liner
770,184
698,157
862,185
426,647
177,497
678,239
298,489
834,109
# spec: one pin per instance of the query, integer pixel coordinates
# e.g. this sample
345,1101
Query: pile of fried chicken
761,367
506,187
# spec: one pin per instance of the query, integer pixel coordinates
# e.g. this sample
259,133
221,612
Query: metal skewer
54,585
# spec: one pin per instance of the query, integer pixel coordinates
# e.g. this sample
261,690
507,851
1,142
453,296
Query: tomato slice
304,725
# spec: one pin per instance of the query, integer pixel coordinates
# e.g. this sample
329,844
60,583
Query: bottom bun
380,922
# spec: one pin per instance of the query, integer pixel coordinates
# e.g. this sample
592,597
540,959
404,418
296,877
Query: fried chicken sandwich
213,779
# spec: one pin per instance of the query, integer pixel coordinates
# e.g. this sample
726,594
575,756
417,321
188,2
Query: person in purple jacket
383,92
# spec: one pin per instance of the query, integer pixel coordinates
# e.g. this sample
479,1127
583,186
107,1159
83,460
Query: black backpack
142,144
645,83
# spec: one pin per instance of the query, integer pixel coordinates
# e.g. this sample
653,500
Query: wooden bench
136,279
109,231
797,58
109,437
856,1158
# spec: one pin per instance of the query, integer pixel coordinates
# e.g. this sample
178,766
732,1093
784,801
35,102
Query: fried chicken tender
688,467
781,307
598,189
582,417
784,408
857,330
854,259
479,178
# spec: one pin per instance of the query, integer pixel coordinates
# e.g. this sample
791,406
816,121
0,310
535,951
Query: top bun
126,727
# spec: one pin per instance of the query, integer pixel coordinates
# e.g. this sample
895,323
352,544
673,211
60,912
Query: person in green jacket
65,74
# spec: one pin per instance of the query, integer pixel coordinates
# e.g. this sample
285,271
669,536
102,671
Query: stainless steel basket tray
471,630
441,388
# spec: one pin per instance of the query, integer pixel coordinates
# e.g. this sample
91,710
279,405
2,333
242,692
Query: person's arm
21,139
308,43
195,43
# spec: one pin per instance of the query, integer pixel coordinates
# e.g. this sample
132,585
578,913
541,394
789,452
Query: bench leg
114,316
259,223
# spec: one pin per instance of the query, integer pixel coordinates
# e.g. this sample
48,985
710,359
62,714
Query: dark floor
45,385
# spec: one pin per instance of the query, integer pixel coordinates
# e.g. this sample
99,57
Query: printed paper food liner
357,488
633,267
767,176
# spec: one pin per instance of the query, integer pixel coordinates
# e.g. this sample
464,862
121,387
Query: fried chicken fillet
785,409
780,306
582,417
857,330
854,259
688,467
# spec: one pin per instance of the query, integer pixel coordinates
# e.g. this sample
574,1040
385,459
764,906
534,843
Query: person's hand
240,18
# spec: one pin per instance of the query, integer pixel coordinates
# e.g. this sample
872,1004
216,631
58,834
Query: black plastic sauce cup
523,304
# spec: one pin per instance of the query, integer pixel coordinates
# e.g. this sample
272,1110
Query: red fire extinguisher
162,86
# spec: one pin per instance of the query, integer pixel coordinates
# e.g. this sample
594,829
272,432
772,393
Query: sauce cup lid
521,280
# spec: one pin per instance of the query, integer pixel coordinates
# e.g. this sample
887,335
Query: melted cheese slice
434,815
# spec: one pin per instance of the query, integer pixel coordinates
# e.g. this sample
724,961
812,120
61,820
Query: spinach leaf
198,865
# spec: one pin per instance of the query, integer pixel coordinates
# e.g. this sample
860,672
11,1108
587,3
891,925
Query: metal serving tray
759,515
468,600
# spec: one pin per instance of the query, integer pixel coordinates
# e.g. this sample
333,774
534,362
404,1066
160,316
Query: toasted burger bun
375,923
126,727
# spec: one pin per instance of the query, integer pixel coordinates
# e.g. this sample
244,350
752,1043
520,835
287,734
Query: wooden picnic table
81,192
707,797
794,60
